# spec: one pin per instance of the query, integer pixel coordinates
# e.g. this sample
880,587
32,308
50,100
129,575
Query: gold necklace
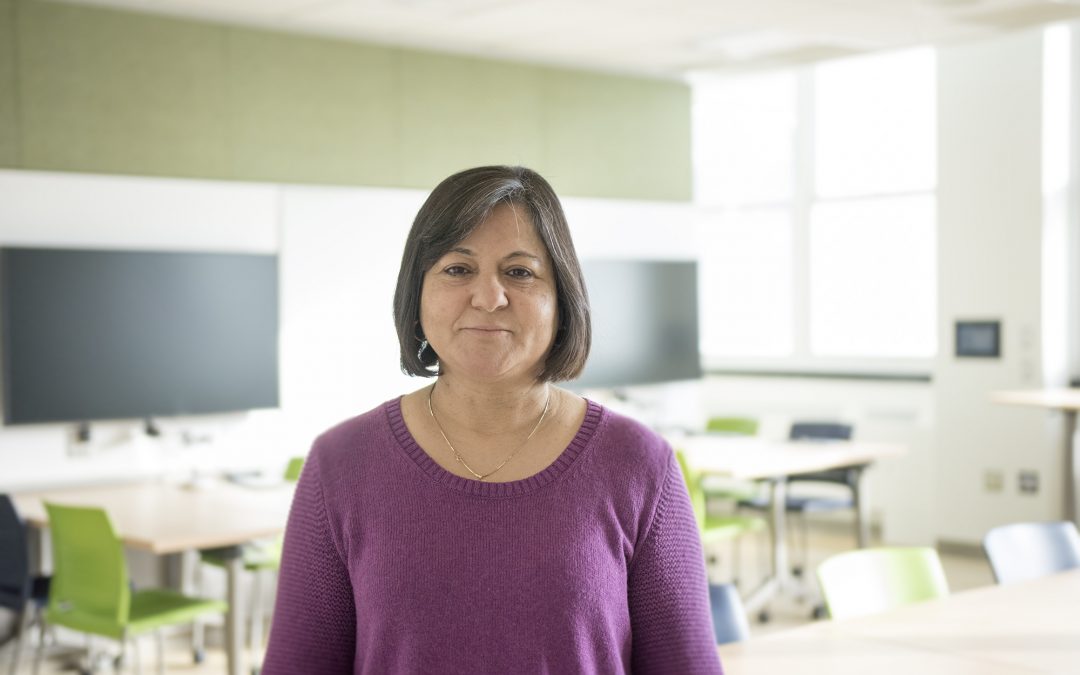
457,455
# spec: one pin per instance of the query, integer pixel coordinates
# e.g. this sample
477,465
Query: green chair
293,469
736,426
715,528
872,580
717,488
258,558
91,592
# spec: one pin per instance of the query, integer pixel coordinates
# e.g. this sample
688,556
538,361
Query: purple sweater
394,565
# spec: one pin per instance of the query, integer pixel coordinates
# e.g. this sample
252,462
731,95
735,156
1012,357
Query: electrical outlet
994,480
1028,481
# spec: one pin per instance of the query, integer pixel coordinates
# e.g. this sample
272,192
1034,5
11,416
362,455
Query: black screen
644,321
91,334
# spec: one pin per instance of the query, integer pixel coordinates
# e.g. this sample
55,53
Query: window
744,138
872,272
746,287
872,255
819,234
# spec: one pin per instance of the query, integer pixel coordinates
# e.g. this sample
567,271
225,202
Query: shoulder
630,446
338,450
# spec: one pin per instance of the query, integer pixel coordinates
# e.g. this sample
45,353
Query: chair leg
255,633
800,567
159,640
273,604
40,654
137,655
805,543
198,640
198,629
20,631
763,551
736,561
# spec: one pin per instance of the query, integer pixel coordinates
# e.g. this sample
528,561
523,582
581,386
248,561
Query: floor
964,570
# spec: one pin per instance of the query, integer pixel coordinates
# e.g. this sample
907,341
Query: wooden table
165,518
774,461
1068,402
1029,627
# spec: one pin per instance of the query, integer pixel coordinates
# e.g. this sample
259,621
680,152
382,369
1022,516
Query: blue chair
1023,551
19,590
728,614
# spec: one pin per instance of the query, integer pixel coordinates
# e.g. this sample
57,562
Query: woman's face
488,307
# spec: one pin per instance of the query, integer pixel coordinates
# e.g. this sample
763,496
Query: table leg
780,577
778,516
862,508
234,621
1072,469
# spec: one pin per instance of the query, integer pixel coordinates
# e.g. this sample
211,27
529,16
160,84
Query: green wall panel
117,92
93,90
9,151
617,137
307,110
462,112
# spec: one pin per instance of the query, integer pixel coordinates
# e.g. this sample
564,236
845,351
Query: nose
488,293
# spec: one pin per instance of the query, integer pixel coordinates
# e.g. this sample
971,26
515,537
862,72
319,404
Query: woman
491,522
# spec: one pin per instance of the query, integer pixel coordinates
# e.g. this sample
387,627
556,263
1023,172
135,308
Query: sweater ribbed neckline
514,488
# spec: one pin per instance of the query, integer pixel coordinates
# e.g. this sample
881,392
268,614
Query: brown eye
520,272
456,270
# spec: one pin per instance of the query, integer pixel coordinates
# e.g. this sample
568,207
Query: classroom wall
990,223
101,91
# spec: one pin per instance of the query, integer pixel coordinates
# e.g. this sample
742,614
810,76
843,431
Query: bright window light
872,278
875,124
746,285
744,136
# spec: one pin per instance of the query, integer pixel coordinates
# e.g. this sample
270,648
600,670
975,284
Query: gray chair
728,614
1024,551
802,505
19,590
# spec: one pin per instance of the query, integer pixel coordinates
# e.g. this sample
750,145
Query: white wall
989,243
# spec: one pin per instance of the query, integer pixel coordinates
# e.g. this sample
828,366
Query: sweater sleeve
670,619
314,624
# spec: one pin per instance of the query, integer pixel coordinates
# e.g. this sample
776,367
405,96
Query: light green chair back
713,527
89,590
693,486
742,426
869,581
293,469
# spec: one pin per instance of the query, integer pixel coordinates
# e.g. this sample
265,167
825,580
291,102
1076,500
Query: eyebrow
515,254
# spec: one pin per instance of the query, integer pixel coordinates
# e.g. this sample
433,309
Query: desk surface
1032,627
741,457
168,518
1057,399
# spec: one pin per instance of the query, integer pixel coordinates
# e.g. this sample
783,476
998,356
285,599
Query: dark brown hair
452,211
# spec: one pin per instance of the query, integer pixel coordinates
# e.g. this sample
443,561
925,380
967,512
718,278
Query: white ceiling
666,38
